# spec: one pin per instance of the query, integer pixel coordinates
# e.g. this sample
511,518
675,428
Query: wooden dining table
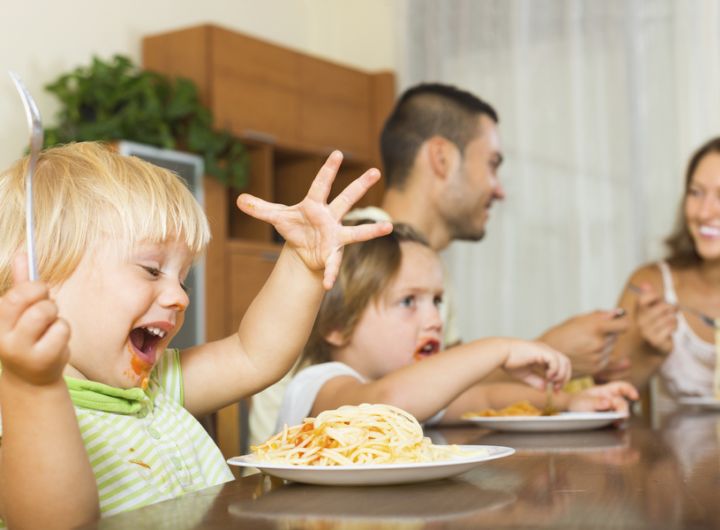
640,475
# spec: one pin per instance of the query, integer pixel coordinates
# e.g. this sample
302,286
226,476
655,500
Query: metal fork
708,320
36,142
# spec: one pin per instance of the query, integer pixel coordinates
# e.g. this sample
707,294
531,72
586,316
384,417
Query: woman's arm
423,388
276,326
641,350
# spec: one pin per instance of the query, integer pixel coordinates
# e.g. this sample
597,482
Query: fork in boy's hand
708,320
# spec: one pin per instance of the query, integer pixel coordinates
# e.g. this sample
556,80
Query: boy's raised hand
33,339
537,364
313,228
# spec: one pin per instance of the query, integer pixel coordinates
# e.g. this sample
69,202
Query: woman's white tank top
688,369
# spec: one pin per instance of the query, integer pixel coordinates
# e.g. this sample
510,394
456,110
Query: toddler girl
378,339
97,415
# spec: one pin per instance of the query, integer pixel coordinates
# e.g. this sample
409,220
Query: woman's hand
536,364
588,339
656,319
612,396
313,228
33,339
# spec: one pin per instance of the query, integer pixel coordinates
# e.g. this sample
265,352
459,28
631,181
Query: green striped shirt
158,453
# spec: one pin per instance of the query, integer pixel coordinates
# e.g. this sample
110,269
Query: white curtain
601,103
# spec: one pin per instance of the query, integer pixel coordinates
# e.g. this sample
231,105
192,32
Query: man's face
473,184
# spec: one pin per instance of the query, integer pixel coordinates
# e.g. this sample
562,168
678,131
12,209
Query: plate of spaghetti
363,445
524,417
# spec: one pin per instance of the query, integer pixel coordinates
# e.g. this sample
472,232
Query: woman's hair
682,251
84,193
367,269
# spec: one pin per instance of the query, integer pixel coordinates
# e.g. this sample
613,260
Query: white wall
40,39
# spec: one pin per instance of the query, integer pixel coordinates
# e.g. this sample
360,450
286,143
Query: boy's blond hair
85,192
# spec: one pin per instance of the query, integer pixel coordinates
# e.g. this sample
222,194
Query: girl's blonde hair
367,269
85,192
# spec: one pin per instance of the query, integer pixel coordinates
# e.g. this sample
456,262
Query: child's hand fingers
35,321
321,185
364,232
332,268
622,389
17,300
258,208
54,339
353,193
535,381
20,270
563,373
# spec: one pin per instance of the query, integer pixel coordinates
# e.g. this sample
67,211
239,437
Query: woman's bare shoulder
646,274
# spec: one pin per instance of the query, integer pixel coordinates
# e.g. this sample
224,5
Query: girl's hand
536,364
656,319
33,339
313,228
612,396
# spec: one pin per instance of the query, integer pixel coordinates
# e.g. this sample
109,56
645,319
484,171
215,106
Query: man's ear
335,338
440,153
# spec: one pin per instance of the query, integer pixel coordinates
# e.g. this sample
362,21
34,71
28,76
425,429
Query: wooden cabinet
291,110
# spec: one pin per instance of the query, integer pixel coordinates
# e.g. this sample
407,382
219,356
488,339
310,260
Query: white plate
589,441
706,402
565,421
372,474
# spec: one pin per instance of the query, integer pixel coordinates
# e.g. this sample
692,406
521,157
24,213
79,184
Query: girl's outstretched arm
46,480
424,388
277,324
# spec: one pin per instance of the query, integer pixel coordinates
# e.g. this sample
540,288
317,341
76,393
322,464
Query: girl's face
124,310
702,207
404,324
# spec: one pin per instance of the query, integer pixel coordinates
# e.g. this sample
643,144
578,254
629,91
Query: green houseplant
116,100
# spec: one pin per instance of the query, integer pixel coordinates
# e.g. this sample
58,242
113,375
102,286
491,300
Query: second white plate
565,421
365,475
702,402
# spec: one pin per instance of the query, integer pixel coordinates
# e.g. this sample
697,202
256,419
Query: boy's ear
335,338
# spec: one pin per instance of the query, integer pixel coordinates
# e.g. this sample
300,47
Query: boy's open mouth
426,349
145,340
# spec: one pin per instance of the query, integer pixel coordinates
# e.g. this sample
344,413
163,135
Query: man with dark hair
441,153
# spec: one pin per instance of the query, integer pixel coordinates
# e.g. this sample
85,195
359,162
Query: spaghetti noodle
363,434
521,408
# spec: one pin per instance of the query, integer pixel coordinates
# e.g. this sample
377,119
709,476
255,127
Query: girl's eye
152,271
438,300
184,287
408,301
694,192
